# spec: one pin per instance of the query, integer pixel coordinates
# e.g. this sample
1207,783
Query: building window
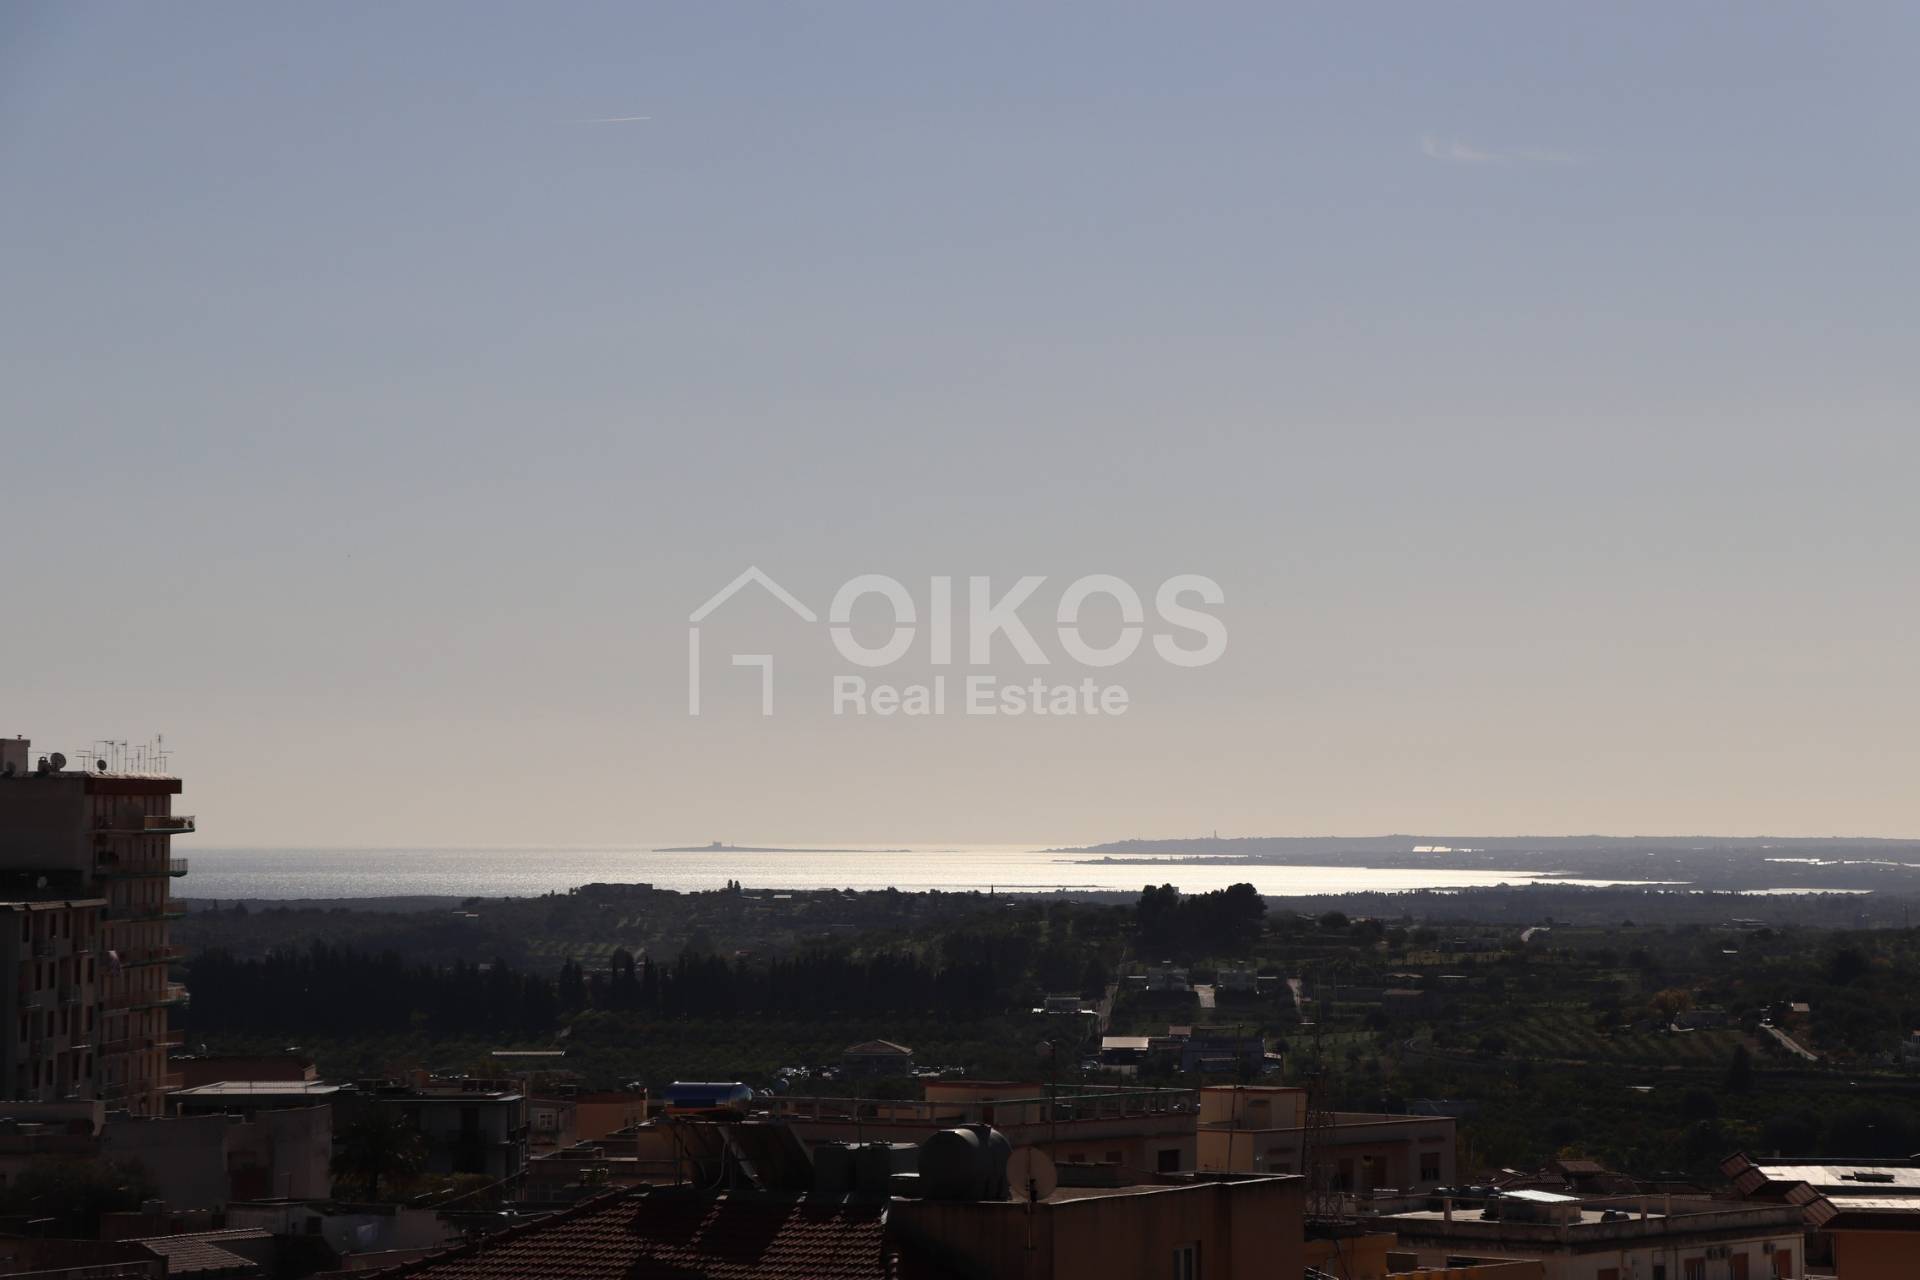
1694,1269
1186,1262
1429,1166
1168,1161
1783,1264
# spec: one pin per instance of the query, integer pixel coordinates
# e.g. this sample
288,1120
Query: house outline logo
752,574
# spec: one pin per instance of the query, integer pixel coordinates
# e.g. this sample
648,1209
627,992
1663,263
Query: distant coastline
1741,864
717,847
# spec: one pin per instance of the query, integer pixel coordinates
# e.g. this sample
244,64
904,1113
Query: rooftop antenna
1031,1177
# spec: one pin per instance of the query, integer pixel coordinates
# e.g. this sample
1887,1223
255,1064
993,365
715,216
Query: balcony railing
155,955
126,1044
147,824
111,868
145,912
176,866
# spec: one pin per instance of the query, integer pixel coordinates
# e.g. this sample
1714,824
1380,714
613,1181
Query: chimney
15,754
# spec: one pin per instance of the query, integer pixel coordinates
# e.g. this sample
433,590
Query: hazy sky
382,387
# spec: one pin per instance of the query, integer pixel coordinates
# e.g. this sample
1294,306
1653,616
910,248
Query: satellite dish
1031,1175
58,761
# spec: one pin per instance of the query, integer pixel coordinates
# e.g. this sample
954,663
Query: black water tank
968,1163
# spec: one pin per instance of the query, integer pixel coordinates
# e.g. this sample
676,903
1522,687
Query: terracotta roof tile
200,1252
680,1235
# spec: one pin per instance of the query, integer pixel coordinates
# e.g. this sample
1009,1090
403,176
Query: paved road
1791,1045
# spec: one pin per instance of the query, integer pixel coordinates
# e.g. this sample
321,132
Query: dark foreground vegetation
1657,1046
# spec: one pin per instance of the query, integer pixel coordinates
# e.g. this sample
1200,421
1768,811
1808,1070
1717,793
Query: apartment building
49,956
1263,1129
96,838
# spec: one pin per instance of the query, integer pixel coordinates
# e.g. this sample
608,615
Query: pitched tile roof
685,1235
200,1252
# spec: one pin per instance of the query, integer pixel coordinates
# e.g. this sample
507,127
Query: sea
228,873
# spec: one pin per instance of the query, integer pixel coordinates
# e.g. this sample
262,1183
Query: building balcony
155,955
171,1039
146,998
172,1080
110,868
145,912
147,825
172,993
176,866
152,998
126,1044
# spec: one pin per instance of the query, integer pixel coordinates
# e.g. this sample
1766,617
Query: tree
1740,1071
1671,1001
380,1144
1847,966
1699,1104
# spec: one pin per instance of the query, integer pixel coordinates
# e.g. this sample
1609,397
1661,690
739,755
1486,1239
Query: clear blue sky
1538,381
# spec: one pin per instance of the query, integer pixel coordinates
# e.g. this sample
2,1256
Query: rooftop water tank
968,1163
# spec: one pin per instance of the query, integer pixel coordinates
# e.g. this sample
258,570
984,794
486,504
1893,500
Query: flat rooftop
1473,1218
1867,1178
261,1089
